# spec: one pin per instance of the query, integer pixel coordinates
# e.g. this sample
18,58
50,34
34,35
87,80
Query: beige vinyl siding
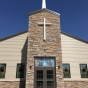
74,52
13,51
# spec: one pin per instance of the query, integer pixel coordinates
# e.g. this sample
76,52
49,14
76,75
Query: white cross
45,24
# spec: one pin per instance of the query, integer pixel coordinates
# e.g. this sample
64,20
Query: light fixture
59,67
30,67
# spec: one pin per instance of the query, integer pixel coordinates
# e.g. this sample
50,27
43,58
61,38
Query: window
2,70
20,71
44,62
66,71
83,71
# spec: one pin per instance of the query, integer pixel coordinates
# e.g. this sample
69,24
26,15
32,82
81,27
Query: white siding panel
75,55
11,70
74,52
12,52
76,60
12,43
74,49
74,45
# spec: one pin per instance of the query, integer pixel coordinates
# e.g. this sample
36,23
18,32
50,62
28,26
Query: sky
73,16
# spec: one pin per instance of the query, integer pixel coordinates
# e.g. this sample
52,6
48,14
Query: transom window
2,70
20,70
44,62
83,71
66,71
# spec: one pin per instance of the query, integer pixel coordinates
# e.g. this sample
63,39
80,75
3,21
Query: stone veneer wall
12,84
39,48
74,84
63,84
49,48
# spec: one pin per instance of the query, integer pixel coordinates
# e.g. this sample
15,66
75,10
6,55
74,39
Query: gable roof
27,31
74,37
13,35
47,10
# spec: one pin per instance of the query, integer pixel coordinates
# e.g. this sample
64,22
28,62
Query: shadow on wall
24,60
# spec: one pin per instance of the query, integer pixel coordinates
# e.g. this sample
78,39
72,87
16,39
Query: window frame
42,59
23,69
69,70
80,70
5,70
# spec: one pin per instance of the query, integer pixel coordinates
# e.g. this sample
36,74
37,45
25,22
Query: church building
43,56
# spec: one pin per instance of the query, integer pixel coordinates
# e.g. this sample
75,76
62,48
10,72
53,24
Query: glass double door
44,77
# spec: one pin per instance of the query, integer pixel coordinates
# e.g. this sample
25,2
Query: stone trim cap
47,10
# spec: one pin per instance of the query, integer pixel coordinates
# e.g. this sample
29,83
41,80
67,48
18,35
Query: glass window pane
20,71
44,62
83,70
39,84
50,84
66,71
39,74
2,70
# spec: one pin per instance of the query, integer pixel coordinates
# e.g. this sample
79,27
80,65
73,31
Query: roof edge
50,11
13,35
27,31
74,37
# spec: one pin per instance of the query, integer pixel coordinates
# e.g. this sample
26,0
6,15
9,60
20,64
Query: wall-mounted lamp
30,67
59,67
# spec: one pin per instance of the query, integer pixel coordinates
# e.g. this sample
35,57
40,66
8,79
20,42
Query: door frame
54,68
